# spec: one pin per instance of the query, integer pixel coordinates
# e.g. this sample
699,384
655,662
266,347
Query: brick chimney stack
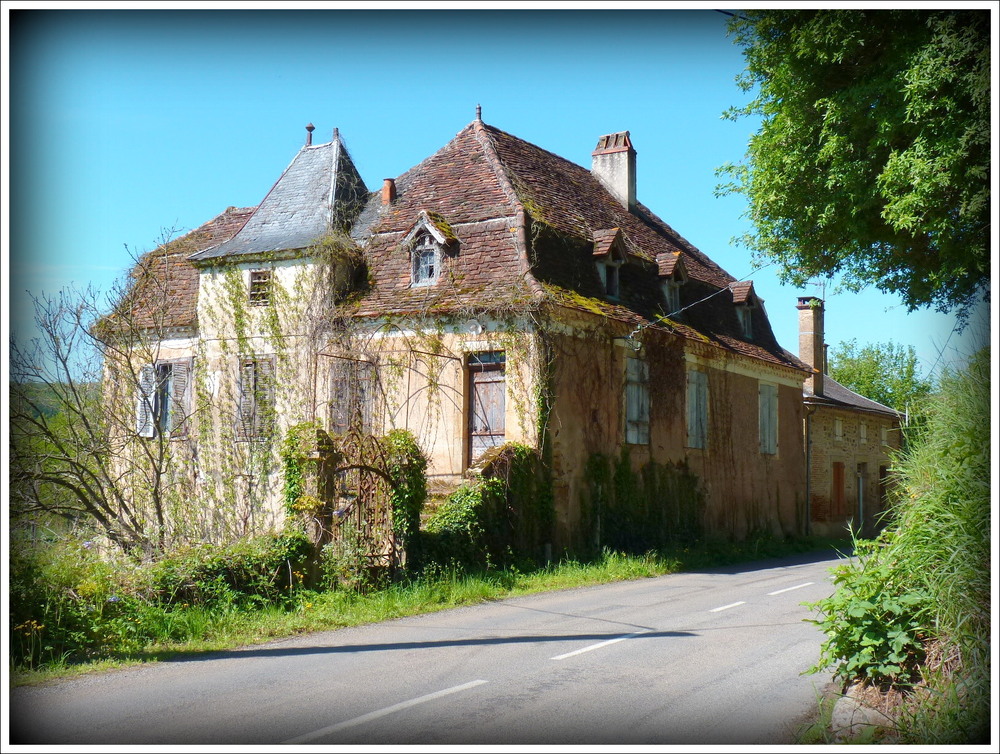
812,350
388,191
614,166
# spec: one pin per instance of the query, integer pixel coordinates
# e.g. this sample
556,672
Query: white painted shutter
145,405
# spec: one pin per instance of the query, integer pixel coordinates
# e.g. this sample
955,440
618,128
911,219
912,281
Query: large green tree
872,160
885,372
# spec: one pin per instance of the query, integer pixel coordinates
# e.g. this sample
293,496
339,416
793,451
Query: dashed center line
726,607
600,644
382,713
790,589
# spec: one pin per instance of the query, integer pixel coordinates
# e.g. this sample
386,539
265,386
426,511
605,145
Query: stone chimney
812,350
614,166
388,191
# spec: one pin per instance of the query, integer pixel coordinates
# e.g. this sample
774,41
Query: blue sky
124,124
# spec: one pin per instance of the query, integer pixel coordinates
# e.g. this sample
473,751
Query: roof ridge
485,139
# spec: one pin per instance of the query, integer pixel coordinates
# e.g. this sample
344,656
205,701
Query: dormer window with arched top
429,239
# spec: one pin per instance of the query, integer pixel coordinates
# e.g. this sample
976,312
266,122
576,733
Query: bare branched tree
94,423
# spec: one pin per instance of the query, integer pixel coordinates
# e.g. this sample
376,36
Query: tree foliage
873,155
885,372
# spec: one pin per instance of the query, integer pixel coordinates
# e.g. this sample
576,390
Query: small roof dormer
744,301
609,254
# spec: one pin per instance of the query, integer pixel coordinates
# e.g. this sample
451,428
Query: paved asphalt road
699,658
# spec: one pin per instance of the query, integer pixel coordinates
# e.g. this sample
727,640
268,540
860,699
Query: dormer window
609,277
429,239
609,254
426,257
745,315
672,296
744,301
672,274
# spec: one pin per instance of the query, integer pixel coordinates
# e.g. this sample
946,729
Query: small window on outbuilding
260,287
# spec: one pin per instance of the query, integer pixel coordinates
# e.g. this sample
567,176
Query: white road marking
382,712
726,607
600,644
790,589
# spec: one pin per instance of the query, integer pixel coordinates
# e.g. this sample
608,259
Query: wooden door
487,403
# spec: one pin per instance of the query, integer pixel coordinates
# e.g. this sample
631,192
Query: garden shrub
69,602
502,517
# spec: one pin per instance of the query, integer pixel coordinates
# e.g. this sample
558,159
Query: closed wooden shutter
768,419
180,397
636,401
487,403
145,404
697,405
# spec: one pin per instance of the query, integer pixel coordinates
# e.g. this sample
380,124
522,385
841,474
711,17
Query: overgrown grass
930,573
179,628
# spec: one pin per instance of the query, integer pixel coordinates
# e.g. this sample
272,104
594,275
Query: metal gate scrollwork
359,492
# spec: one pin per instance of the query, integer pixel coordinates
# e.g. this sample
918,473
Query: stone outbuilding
848,440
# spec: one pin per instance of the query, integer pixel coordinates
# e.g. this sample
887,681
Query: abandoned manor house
495,293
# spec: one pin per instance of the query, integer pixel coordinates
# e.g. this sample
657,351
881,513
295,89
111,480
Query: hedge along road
714,657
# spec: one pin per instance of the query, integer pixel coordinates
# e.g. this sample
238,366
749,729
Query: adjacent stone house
493,293
848,440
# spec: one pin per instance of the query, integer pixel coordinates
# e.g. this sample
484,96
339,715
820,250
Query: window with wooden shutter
145,404
487,402
636,401
353,388
768,399
255,398
838,500
697,409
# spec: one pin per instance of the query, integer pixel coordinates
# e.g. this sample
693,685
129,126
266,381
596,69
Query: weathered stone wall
851,446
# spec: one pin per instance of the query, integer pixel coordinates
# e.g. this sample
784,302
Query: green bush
466,532
876,622
69,603
407,468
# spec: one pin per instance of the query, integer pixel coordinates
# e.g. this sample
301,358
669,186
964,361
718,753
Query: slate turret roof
312,196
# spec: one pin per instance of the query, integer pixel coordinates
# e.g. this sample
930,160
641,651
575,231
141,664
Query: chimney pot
388,191
309,134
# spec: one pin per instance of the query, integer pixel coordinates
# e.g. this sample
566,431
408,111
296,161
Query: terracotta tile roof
603,240
743,292
667,262
165,276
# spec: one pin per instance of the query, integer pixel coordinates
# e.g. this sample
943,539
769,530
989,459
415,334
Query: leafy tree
885,372
873,156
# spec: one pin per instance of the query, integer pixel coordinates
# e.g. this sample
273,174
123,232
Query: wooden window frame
260,287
